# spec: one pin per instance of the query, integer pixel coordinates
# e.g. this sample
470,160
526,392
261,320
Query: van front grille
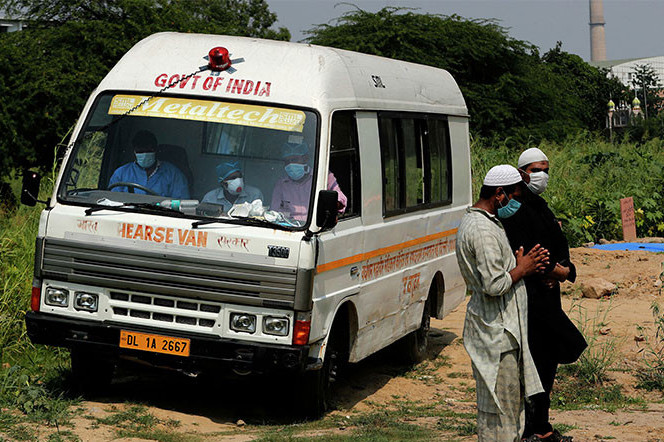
188,278
160,310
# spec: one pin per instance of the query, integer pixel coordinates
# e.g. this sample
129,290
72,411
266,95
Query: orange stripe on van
368,255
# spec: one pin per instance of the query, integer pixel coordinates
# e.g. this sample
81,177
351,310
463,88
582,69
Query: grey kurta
496,307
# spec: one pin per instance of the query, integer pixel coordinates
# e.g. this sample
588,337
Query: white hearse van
134,261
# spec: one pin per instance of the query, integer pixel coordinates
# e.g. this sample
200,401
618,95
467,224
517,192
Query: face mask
538,182
146,159
510,209
234,186
296,171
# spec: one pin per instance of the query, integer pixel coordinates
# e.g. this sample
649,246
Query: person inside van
291,194
146,171
232,189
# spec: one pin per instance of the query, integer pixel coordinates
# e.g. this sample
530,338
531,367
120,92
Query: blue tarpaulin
647,246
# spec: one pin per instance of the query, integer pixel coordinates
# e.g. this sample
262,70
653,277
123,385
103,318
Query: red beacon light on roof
219,59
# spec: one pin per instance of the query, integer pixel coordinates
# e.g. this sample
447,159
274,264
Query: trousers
537,406
508,426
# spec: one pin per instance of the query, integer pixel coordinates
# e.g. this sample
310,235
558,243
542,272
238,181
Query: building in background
9,24
623,70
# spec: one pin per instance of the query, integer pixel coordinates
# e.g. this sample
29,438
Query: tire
413,346
91,372
317,389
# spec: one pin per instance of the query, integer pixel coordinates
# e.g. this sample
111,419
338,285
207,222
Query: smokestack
597,40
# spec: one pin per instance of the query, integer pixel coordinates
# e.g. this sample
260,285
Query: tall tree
48,70
647,88
510,90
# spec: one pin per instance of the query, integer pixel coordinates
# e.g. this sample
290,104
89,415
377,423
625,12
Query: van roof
286,73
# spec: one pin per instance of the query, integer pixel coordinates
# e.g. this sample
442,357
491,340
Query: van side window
439,148
392,196
345,160
415,161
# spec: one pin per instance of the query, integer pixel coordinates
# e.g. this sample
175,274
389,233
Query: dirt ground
373,382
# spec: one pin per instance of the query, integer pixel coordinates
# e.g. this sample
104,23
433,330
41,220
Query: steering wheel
133,186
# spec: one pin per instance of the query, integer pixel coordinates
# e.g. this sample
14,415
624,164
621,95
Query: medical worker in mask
232,188
552,337
292,193
161,177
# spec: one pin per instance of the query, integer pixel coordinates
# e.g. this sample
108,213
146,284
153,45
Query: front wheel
91,372
316,388
413,346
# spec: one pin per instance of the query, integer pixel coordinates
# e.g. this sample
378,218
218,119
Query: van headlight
275,326
57,297
88,302
243,322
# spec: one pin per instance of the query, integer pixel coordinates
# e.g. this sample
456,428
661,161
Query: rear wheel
92,373
413,347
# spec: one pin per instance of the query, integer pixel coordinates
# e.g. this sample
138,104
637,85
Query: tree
48,70
510,90
647,88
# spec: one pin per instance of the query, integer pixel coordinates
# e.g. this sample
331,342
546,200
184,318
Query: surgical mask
296,171
509,209
234,186
538,182
146,159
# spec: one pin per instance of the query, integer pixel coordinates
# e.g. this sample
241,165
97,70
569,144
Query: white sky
633,27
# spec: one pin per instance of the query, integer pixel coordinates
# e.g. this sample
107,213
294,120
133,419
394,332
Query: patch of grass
35,386
136,422
20,432
573,393
63,436
158,434
564,428
424,371
458,374
134,417
442,361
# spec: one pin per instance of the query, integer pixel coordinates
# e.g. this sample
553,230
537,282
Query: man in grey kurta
495,329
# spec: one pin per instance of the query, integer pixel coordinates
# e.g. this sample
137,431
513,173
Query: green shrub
18,229
651,375
602,351
589,176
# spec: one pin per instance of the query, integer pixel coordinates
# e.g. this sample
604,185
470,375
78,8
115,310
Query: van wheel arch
437,295
317,386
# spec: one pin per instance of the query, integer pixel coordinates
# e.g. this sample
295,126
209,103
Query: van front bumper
205,351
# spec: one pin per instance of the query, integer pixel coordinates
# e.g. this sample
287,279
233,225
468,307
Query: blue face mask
296,171
510,209
146,159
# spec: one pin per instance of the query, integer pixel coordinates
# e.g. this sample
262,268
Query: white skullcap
502,175
531,155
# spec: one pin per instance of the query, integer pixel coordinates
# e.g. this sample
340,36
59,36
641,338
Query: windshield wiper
148,206
240,220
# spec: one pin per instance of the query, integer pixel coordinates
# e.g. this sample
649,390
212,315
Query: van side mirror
30,190
326,211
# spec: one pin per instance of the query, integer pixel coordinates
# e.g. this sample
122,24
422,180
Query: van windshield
204,158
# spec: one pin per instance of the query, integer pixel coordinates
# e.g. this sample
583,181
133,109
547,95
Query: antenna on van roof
165,88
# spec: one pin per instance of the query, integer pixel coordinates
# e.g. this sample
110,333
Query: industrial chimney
597,40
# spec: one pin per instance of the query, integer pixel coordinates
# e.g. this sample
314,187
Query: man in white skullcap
553,339
495,330
534,167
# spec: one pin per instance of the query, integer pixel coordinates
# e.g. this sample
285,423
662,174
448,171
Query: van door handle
354,271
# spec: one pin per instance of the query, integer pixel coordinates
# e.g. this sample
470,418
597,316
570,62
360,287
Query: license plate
154,343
